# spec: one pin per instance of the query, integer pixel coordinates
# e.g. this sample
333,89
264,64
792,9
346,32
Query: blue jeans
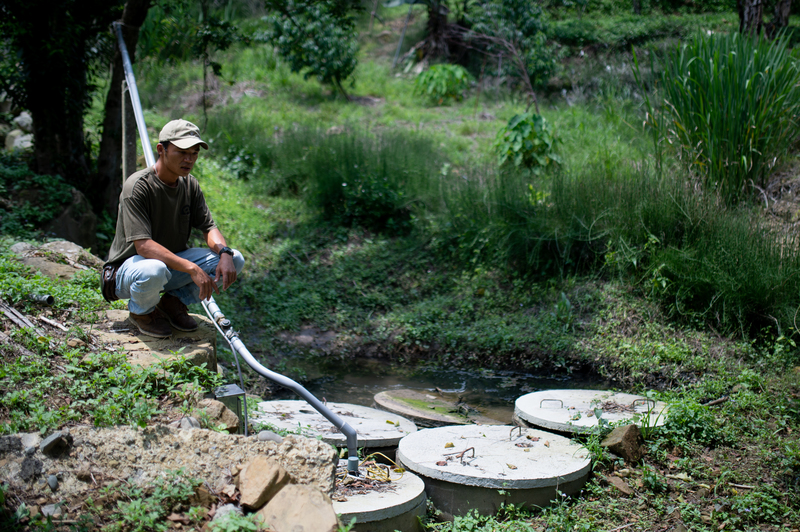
142,280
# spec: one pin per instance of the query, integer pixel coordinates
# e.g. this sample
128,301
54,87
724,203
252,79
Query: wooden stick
742,486
621,527
53,323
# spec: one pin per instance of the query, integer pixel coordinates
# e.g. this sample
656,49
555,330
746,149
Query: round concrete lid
406,493
375,428
501,457
574,410
430,410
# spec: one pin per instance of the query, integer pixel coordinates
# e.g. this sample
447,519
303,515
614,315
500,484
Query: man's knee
151,272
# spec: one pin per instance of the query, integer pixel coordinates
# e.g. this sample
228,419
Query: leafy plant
442,82
234,522
729,108
146,509
528,142
690,423
318,38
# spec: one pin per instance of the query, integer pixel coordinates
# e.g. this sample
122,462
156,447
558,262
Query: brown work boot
177,313
152,324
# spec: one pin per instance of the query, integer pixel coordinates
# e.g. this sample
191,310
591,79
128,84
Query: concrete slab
375,428
429,410
199,347
396,509
573,411
466,467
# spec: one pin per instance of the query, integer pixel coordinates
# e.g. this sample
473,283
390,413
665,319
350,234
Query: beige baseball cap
182,134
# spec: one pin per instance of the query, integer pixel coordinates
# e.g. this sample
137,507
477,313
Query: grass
729,106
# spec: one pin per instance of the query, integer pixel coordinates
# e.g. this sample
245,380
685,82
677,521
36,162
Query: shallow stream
356,381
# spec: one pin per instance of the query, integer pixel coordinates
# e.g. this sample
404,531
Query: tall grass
729,104
706,260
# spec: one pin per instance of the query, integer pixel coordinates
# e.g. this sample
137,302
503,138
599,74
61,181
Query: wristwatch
227,250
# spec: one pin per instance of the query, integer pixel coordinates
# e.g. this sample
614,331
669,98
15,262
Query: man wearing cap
158,208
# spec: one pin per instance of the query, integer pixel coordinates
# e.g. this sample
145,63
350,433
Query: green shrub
729,108
689,423
528,142
442,82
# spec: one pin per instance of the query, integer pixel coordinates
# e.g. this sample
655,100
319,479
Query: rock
202,497
620,484
73,252
21,248
225,512
24,121
298,508
76,342
56,444
680,527
220,414
10,444
18,140
30,451
141,456
76,223
309,461
52,481
30,439
30,468
268,435
260,480
626,442
53,510
189,423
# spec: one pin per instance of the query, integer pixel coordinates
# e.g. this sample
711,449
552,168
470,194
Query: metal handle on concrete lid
543,400
644,401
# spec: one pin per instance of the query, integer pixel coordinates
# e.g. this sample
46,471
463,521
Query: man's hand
226,270
204,281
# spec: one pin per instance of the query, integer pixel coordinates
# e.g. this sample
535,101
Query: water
356,381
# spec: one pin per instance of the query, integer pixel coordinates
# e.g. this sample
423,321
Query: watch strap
227,250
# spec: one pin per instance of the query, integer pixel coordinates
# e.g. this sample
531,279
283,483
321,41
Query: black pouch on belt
109,282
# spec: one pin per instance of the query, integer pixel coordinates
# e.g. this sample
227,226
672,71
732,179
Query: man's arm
225,268
150,249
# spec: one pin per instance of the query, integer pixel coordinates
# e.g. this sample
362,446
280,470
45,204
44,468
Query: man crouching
158,208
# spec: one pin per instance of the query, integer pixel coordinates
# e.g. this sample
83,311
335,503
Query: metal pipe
233,339
44,299
147,149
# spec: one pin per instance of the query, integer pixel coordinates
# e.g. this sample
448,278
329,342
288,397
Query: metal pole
128,134
403,36
224,325
134,94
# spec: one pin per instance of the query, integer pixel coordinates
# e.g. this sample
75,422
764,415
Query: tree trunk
437,30
107,183
780,18
750,16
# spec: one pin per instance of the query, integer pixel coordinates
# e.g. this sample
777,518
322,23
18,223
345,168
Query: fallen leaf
681,476
390,422
441,463
534,438
621,485
449,445
511,466
547,443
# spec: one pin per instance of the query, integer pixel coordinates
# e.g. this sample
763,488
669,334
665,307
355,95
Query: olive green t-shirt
149,209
